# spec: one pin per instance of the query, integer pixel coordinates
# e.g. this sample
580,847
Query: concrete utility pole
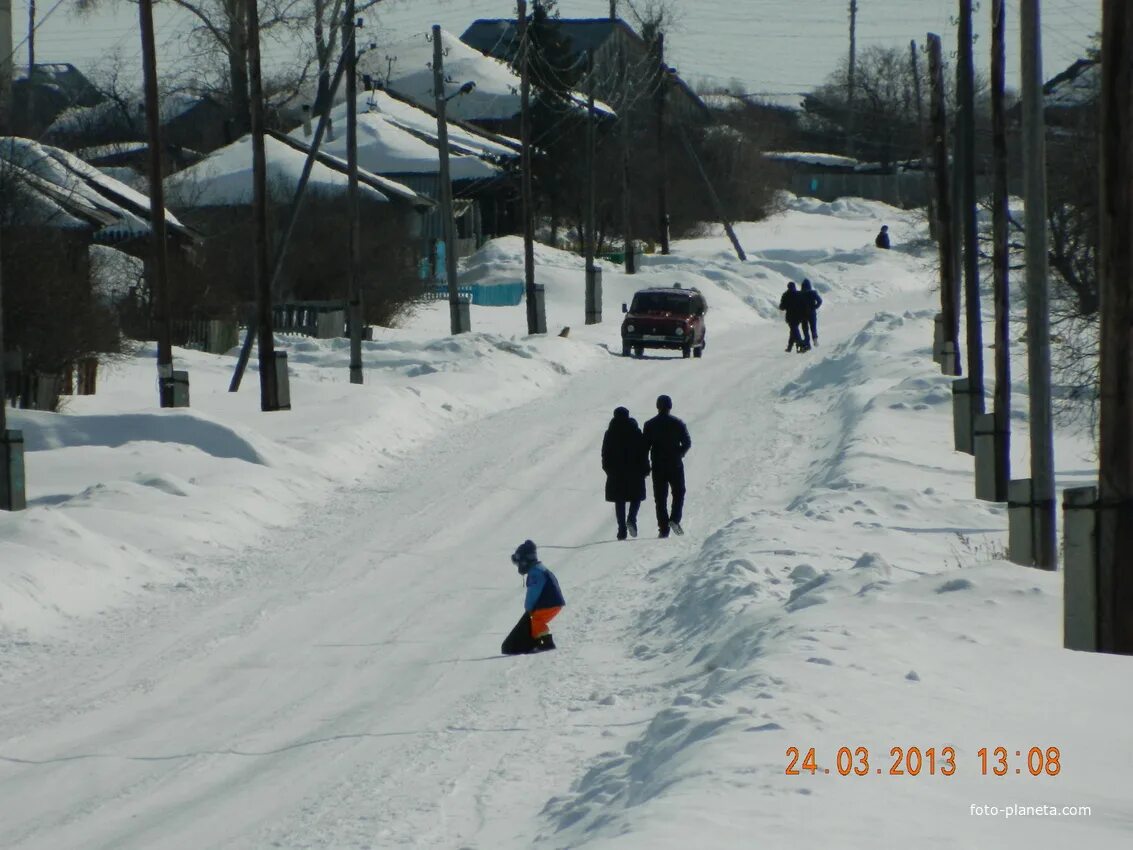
6,64
448,220
627,205
528,200
1043,530
158,266
354,255
662,165
269,395
851,73
593,305
973,319
1001,410
1115,468
949,296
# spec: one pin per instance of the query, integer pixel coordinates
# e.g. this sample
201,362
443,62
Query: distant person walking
882,240
667,441
626,463
811,302
792,306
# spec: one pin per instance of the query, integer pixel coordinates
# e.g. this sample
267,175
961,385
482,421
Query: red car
664,318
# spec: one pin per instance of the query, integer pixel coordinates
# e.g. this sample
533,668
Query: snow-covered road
337,685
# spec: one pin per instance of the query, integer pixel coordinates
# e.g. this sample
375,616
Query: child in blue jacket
541,603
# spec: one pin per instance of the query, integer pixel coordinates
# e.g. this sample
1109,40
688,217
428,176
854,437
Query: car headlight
630,328
680,331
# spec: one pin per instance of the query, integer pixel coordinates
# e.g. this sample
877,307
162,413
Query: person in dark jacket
543,600
626,464
792,306
882,240
667,440
811,302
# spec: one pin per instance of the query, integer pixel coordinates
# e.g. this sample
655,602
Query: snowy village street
323,671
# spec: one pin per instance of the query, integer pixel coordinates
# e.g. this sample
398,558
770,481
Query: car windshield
655,302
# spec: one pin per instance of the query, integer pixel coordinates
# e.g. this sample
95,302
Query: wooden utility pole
354,255
1000,260
269,395
29,102
613,10
1115,451
1045,540
528,200
627,204
3,358
973,319
593,305
448,220
850,77
662,165
949,296
6,65
926,137
292,218
158,266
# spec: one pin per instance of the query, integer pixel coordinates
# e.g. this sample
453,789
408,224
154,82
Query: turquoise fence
483,294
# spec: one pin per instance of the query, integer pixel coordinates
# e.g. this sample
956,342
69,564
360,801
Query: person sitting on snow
542,602
882,240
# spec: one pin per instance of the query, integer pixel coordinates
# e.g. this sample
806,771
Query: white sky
772,46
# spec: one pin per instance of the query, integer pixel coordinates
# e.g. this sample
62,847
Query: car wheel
698,351
625,349
639,350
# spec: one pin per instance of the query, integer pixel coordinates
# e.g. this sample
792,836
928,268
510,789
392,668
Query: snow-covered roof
67,192
423,121
1077,86
830,160
224,178
394,140
407,68
114,149
723,101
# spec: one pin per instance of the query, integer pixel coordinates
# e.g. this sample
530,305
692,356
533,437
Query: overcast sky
770,46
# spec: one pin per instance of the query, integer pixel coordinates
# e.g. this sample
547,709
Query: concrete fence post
962,415
938,338
1080,564
1020,522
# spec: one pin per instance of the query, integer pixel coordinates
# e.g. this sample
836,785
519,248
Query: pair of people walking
630,453
800,307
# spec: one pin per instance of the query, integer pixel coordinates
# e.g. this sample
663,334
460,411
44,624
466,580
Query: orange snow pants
540,619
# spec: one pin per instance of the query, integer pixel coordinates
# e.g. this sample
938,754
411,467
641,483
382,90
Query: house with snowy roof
70,232
400,140
616,49
482,89
215,197
42,92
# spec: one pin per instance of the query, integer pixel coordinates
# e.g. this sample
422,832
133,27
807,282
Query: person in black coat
625,462
667,440
792,306
811,302
882,240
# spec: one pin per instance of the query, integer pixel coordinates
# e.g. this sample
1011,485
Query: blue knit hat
524,556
